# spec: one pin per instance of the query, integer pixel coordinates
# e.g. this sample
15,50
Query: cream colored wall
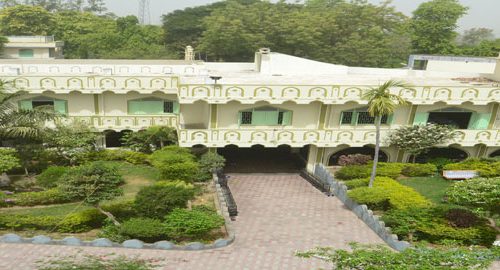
78,104
197,114
38,53
303,116
476,108
454,66
401,116
116,104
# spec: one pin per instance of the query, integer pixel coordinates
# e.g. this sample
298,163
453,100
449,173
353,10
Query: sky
482,13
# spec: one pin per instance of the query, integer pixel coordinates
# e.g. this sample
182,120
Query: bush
484,168
50,196
386,189
461,218
479,235
145,229
356,159
353,172
161,198
175,163
209,162
51,176
183,224
413,170
440,162
356,183
137,158
122,210
481,193
93,262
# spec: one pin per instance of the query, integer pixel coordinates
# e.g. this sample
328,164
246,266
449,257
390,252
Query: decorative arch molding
133,83
158,83
470,93
21,83
232,136
407,93
234,92
442,93
290,92
107,83
258,136
285,136
199,136
317,92
47,83
494,95
201,92
262,92
311,136
352,92
345,136
74,83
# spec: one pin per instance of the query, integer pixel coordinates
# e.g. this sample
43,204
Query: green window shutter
145,107
421,118
61,106
134,107
287,118
25,105
176,107
390,119
479,121
354,120
239,118
26,53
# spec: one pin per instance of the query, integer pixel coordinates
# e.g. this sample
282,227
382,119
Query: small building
33,47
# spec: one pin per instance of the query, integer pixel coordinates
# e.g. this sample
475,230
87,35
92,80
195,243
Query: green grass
433,188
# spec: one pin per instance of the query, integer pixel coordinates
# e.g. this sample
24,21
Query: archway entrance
447,152
334,159
259,159
113,138
495,154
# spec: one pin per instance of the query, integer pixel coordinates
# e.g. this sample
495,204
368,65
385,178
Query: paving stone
195,246
72,241
164,245
134,243
101,242
41,239
11,238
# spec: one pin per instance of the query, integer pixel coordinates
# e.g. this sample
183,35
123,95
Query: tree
381,102
479,193
71,142
24,20
93,183
151,139
3,40
8,160
433,26
418,139
474,36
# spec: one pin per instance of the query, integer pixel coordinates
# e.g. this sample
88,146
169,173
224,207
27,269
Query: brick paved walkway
278,214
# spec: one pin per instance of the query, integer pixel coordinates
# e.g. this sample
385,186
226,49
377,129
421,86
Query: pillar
213,116
314,157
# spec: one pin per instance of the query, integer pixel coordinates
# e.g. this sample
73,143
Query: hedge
46,197
485,168
392,170
388,193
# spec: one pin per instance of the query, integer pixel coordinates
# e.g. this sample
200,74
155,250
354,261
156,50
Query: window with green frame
59,105
26,53
265,116
152,106
361,117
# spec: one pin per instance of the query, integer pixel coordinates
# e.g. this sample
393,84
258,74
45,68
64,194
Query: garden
60,183
422,207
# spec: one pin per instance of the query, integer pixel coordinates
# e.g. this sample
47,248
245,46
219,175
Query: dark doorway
334,159
459,120
259,159
448,153
495,154
113,138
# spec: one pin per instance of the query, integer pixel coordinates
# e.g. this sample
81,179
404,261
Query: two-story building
277,102
32,47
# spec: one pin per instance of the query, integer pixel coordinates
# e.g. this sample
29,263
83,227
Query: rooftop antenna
144,12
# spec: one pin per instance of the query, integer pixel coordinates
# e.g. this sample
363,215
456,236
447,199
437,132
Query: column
213,116
314,157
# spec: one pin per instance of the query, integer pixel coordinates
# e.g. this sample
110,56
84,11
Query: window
60,106
152,106
360,117
26,53
265,116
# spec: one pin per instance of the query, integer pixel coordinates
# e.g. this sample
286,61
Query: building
278,101
33,47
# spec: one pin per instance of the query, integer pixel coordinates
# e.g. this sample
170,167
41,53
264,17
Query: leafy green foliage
209,162
93,183
382,258
8,160
183,224
388,193
25,21
356,183
481,193
145,229
433,26
161,198
50,196
413,170
485,168
175,163
51,177
461,218
92,262
418,139
153,138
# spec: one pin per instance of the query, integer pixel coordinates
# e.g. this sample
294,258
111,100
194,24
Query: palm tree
18,123
381,102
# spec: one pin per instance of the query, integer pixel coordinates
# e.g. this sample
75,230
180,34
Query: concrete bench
459,175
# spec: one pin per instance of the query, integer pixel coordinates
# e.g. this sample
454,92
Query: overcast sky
482,13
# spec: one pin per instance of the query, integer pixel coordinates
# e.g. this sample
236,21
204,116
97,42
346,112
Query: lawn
433,188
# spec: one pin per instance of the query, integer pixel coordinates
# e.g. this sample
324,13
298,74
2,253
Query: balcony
321,138
119,123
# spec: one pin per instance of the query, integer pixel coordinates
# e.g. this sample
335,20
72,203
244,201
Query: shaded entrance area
495,154
458,120
113,138
334,159
448,153
259,159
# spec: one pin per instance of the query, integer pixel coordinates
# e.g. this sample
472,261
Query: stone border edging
134,243
361,211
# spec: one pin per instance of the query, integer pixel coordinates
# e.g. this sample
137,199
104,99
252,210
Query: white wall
38,53
116,104
453,66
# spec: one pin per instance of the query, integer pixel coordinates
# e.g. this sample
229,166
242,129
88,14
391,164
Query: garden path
278,214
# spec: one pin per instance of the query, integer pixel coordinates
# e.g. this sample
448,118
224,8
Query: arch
285,136
167,70
32,69
74,83
199,136
158,83
107,83
258,136
345,136
189,70
451,153
96,69
495,153
483,136
494,95
470,93
408,93
145,70
232,136
444,93
21,83
262,92
132,83
47,83
290,92
54,69
365,150
317,92
201,91
355,92
311,136
234,91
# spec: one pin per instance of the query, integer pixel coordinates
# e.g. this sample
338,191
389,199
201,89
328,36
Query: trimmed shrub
415,169
137,158
81,221
353,172
145,229
161,198
481,193
398,196
122,210
46,197
437,232
356,183
392,170
183,224
51,176
356,159
440,162
175,163
484,168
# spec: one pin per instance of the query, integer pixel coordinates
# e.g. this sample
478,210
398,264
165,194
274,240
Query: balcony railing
321,138
135,123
